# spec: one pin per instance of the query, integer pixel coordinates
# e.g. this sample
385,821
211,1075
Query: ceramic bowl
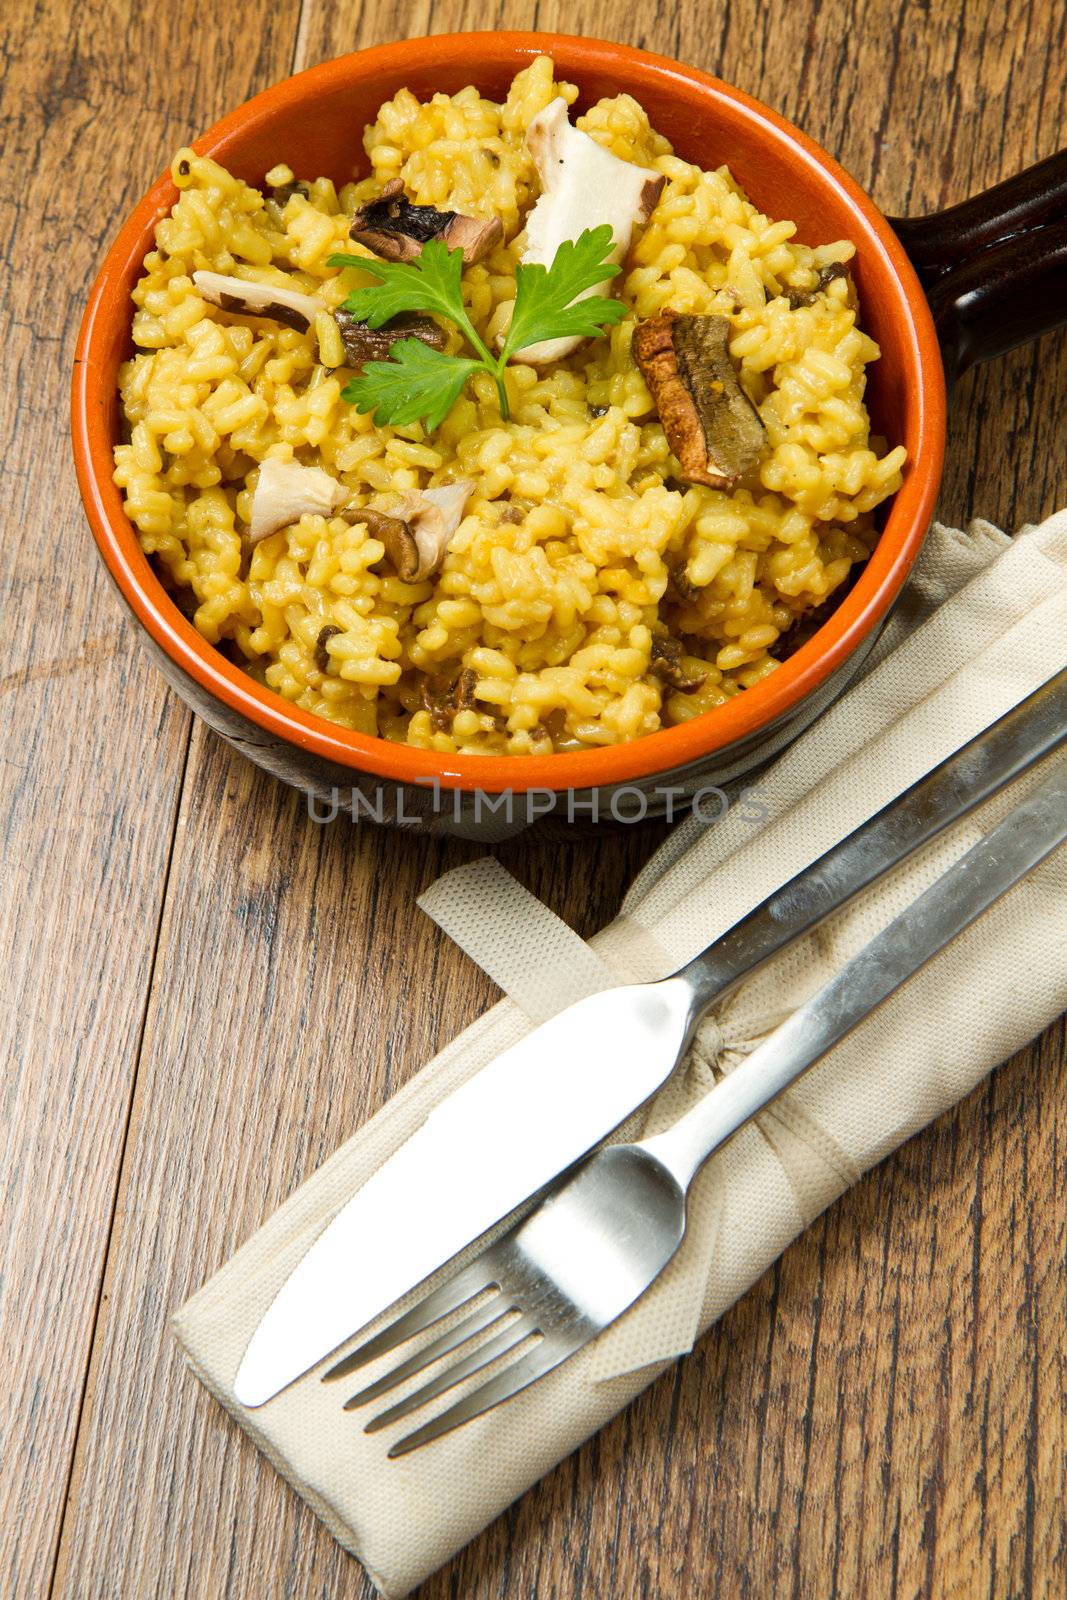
313,122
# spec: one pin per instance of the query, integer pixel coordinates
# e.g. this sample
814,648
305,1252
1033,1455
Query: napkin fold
982,624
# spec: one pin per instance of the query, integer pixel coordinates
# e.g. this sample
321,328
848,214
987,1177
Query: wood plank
882,1413
93,746
298,987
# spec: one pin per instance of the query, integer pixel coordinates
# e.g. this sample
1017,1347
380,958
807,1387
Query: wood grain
92,750
206,992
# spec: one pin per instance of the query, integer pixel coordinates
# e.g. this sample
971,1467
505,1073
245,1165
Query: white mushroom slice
286,491
291,306
417,528
582,186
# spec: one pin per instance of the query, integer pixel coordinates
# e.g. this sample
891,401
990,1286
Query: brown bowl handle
995,267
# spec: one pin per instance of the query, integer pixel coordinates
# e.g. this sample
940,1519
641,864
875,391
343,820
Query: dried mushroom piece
827,274
678,584
322,655
287,491
711,425
395,228
282,193
364,343
442,701
582,186
298,310
397,537
416,530
667,664
291,306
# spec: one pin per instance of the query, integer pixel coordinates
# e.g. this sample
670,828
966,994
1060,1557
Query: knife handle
1030,832
1036,727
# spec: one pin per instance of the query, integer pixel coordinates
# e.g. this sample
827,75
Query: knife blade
544,1103
456,1175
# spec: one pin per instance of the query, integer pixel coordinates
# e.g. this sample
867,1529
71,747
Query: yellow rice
579,542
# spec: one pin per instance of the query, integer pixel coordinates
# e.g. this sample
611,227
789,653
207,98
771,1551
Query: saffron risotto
579,546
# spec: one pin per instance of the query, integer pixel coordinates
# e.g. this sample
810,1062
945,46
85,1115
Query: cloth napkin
983,623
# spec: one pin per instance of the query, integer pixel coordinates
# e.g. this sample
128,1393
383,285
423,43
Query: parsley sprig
418,383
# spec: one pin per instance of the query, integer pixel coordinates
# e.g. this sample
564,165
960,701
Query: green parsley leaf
429,283
420,384
416,384
546,304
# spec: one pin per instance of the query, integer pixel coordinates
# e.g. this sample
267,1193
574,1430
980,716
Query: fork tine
452,1294
544,1358
484,1317
515,1333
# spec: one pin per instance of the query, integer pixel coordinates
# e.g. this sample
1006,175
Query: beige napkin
984,622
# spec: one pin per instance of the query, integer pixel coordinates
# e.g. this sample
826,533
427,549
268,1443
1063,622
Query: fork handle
1036,727
1010,850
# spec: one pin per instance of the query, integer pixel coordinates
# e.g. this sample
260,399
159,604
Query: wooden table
205,993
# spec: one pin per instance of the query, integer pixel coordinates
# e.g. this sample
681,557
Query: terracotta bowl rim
664,752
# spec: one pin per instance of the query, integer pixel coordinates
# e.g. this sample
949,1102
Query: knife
542,1104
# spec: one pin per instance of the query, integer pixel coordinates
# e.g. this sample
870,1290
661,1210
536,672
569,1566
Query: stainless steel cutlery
599,1239
543,1104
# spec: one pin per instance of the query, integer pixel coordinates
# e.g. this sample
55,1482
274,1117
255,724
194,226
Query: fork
601,1237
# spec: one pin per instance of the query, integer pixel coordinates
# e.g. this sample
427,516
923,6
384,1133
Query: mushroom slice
282,193
678,585
417,530
667,664
394,227
291,306
442,701
322,655
297,310
396,535
582,186
827,274
286,491
364,343
711,425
